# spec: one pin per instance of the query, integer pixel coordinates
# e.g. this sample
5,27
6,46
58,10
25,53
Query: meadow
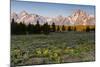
57,47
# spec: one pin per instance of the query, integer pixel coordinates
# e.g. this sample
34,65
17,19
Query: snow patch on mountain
78,17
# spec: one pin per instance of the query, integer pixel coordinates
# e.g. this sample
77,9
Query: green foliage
58,28
63,28
46,28
87,29
30,29
54,48
21,28
53,27
37,28
69,28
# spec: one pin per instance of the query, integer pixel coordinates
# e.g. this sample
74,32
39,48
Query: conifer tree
63,28
53,27
87,29
37,28
46,28
30,28
74,28
69,28
14,27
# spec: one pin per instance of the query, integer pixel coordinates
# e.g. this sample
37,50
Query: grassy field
53,48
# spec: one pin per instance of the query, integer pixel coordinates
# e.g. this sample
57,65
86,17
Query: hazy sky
49,9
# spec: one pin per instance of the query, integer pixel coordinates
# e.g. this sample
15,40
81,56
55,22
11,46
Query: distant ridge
78,17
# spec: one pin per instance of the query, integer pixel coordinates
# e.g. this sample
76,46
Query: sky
49,9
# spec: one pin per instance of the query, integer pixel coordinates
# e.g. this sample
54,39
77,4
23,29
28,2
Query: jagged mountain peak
14,16
78,17
79,12
23,12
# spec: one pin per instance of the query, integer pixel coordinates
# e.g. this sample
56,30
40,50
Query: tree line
21,28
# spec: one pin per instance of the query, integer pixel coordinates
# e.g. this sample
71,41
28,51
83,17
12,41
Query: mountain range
78,17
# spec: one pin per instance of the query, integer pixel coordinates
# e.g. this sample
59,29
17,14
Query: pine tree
46,28
37,28
69,28
74,28
63,28
30,29
14,27
87,29
53,27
